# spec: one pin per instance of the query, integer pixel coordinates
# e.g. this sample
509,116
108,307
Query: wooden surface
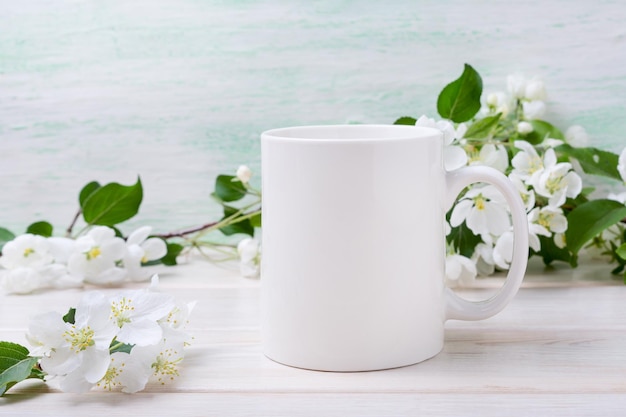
559,349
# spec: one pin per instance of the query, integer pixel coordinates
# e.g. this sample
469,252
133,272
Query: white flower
557,181
516,85
524,128
559,240
550,218
503,250
26,250
244,174
576,136
621,197
483,258
249,251
527,164
534,109
492,156
460,271
137,314
140,250
24,280
454,156
79,352
163,359
535,90
483,210
499,102
527,194
96,255
126,372
621,166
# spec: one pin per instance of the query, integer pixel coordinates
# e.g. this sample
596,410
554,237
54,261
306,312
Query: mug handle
457,307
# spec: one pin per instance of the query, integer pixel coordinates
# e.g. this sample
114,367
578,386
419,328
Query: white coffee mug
352,273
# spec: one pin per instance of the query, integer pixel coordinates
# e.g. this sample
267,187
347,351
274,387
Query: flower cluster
33,262
545,165
119,342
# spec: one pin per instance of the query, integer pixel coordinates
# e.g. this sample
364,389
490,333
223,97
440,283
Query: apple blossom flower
483,210
249,251
527,194
620,198
503,250
162,359
137,313
125,372
460,271
490,155
527,164
26,250
559,240
557,181
576,136
498,102
524,128
621,165
453,155
550,218
535,90
96,256
78,352
516,85
533,110
244,174
483,258
141,250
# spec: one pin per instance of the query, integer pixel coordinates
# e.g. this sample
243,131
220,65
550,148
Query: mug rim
333,133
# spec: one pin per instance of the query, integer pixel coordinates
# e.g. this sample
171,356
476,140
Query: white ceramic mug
352,272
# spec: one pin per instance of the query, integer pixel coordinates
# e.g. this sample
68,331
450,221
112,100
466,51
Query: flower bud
576,136
535,90
534,109
516,85
244,174
524,128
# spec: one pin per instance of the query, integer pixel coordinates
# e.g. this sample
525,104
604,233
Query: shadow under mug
352,273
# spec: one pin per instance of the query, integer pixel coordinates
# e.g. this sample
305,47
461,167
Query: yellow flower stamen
79,339
93,253
120,310
165,366
28,251
479,202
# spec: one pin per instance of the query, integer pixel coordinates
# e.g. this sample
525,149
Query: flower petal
139,235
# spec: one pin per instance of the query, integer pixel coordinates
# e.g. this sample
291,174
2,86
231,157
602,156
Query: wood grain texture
557,349
177,91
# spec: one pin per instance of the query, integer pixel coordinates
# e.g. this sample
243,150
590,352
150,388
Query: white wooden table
559,349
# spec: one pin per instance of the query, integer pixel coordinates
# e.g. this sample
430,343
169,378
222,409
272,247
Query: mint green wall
177,91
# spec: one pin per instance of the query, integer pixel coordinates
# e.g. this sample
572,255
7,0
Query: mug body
352,274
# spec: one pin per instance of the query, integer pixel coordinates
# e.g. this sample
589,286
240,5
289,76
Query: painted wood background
179,91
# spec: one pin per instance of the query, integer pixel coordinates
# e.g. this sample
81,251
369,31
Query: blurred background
177,91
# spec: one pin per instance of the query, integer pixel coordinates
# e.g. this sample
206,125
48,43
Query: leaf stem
68,232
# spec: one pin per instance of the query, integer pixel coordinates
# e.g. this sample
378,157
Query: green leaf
406,120
112,204
243,226
550,252
464,240
5,236
15,365
13,350
542,130
70,316
87,191
590,219
483,128
229,188
459,101
621,251
255,220
173,250
40,228
16,373
593,161
120,347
